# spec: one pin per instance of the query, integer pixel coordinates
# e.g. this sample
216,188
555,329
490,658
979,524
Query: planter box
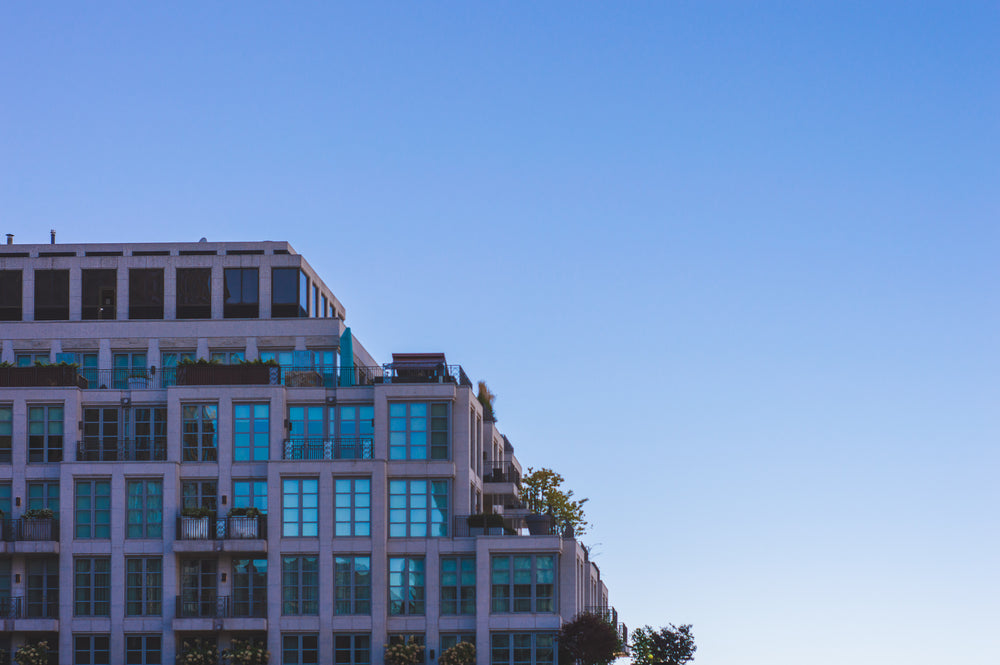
46,375
539,525
195,528
223,375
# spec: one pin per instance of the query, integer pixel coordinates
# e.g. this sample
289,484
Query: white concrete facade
131,421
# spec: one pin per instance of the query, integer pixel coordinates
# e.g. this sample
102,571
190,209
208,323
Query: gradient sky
730,268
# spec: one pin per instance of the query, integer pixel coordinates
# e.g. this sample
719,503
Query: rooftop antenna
52,236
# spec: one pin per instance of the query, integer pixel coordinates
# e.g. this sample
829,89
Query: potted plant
244,522
195,523
409,653
198,652
36,523
32,653
463,653
138,380
247,652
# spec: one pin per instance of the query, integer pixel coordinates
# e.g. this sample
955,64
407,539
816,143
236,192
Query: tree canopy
543,494
670,645
589,639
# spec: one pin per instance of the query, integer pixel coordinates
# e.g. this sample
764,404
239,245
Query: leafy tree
589,639
670,645
463,653
542,490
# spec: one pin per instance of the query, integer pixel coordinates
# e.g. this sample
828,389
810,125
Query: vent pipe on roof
10,238
52,237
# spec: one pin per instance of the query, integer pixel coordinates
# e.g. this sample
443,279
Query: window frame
86,643
410,581
93,582
532,646
47,447
352,584
347,644
244,305
194,433
296,527
406,431
249,429
300,585
141,644
299,648
148,527
404,506
93,510
463,600
506,596
147,580
354,504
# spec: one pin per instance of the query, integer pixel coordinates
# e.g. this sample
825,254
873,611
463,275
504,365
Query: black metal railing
485,525
342,447
232,527
29,529
206,605
10,607
501,472
144,449
359,375
433,374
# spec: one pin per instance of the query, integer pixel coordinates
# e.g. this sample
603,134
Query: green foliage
463,653
39,514
670,645
250,511
196,511
410,653
589,639
200,362
247,652
543,494
198,652
32,653
266,363
486,398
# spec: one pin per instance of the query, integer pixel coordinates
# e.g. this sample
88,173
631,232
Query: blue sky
731,268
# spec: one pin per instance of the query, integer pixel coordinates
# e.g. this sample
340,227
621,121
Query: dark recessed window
194,293
99,294
285,296
10,295
241,295
145,293
51,295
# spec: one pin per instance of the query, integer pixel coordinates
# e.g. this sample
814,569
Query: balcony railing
232,527
205,605
342,447
435,374
610,615
485,525
10,607
28,529
145,449
502,472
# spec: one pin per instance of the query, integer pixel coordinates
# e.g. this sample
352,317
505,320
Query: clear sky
730,268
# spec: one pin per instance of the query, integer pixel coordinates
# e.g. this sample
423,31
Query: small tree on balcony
589,639
486,398
543,493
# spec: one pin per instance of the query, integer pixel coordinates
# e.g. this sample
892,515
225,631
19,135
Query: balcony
10,607
20,614
339,448
122,450
29,536
221,534
248,374
502,472
469,526
41,376
208,611
610,615
441,373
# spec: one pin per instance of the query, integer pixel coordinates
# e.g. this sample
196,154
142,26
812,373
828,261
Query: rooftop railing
335,448
147,449
466,526
433,374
